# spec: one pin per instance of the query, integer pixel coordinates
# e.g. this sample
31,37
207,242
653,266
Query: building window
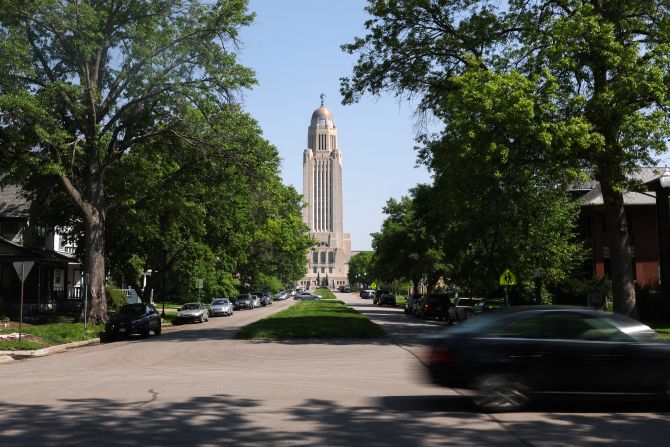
323,270
330,270
331,257
314,269
315,257
323,257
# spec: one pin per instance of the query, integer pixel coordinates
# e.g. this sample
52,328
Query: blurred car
255,301
280,296
133,319
306,296
507,358
387,299
434,305
243,301
346,289
411,303
191,313
264,298
221,306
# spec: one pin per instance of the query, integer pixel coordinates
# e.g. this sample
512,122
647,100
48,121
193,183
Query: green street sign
508,278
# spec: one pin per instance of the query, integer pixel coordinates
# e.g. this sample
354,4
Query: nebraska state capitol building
322,189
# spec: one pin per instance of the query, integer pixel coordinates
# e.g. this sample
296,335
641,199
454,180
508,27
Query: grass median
312,319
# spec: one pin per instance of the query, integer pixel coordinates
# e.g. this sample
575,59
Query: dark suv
434,305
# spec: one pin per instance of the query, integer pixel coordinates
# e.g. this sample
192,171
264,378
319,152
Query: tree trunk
94,265
623,288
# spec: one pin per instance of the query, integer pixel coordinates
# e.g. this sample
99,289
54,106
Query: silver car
190,313
221,306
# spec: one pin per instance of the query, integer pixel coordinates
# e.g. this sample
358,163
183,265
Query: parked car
411,303
280,296
377,295
255,301
367,293
434,305
264,298
387,299
191,313
346,289
243,301
510,357
489,305
463,308
306,296
221,306
133,319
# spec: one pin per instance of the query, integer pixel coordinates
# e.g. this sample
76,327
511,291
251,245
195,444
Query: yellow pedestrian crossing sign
508,278
374,285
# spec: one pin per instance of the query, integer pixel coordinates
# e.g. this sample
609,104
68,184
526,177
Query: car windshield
131,310
190,307
219,302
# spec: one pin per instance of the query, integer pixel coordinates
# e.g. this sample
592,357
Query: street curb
16,355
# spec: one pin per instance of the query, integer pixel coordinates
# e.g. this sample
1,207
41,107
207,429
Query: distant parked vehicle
191,313
243,301
387,299
221,306
255,301
306,296
411,303
280,296
434,306
489,305
133,319
378,294
367,294
463,308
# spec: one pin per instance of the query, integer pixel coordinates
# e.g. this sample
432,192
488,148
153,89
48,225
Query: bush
115,298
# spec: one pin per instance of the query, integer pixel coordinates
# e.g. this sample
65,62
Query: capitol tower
322,190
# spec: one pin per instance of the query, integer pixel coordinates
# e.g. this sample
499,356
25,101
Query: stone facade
322,189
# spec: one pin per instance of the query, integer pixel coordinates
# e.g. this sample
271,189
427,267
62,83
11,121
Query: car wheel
200,319
145,330
501,393
158,329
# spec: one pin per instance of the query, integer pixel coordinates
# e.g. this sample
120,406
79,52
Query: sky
294,48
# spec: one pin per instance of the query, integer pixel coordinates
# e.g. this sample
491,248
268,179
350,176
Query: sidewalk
8,356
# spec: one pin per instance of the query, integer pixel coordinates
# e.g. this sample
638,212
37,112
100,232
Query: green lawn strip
325,294
400,300
663,328
50,335
313,319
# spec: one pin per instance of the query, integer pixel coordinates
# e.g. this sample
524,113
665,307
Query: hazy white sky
294,47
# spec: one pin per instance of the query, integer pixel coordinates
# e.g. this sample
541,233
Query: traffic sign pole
23,267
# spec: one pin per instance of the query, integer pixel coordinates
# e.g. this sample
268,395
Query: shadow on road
227,420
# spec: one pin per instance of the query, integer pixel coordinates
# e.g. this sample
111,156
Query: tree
85,84
405,247
361,269
608,61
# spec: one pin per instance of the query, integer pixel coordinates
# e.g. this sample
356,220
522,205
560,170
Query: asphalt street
196,385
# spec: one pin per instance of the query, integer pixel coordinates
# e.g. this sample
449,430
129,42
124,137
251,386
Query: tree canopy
588,81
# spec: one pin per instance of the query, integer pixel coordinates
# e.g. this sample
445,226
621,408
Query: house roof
11,251
12,202
592,193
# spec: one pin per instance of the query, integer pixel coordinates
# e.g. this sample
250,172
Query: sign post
199,283
507,279
22,269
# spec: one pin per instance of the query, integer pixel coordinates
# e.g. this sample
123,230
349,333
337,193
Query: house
54,281
641,216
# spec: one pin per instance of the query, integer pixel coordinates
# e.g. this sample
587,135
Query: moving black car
377,295
508,357
433,305
133,319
